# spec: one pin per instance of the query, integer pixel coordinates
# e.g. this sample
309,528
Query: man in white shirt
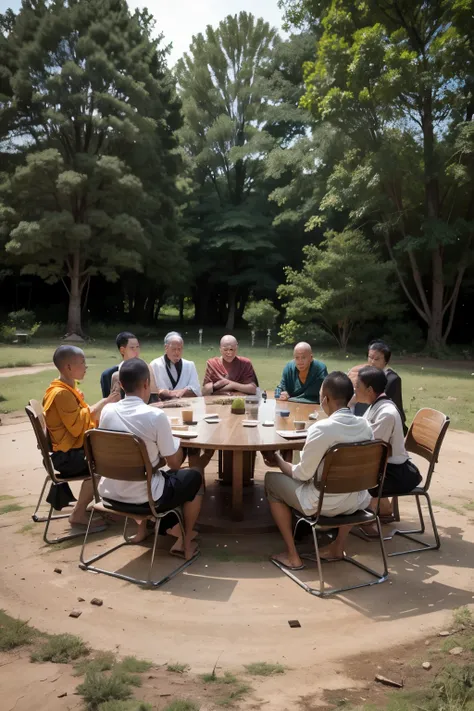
170,489
174,375
293,487
401,475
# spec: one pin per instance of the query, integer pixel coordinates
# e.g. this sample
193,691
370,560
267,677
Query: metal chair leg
58,539
322,592
43,519
87,564
408,534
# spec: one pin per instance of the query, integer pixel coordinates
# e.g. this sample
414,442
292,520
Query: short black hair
374,378
63,354
382,347
339,386
133,373
123,339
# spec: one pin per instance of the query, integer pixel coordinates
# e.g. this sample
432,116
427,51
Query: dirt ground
232,605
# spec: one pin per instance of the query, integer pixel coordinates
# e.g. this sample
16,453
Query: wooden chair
347,468
424,438
123,456
34,411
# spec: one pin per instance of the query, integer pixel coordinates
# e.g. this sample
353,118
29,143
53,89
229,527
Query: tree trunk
74,322
231,308
435,331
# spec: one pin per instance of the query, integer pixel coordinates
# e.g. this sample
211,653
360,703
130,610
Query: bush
22,319
61,649
7,333
292,332
404,336
261,315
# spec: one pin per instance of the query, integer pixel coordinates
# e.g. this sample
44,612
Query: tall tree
225,136
89,103
393,80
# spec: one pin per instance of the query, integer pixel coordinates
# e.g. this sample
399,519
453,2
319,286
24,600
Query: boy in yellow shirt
68,417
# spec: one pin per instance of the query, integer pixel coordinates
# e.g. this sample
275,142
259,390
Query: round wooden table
229,435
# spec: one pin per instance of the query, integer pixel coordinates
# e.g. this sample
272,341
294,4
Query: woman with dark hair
379,355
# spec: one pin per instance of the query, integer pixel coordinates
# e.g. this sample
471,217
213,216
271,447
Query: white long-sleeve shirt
386,422
341,427
188,378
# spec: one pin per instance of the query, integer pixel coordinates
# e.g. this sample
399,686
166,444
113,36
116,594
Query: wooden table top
230,434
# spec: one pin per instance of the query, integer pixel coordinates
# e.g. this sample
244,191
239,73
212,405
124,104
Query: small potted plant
238,406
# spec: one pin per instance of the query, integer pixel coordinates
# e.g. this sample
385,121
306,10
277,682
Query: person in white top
174,375
293,487
170,489
402,475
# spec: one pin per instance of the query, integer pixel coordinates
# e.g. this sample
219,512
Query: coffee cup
299,425
188,417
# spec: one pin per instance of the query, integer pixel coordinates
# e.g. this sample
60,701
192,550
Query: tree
225,139
342,284
88,102
261,315
393,80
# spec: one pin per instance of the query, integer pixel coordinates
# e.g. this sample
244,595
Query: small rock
61,696
445,633
455,651
97,601
426,665
75,613
452,399
80,599
58,571
427,642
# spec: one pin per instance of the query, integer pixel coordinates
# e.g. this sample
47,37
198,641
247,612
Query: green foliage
7,333
22,319
101,661
213,678
130,705
463,615
134,665
342,284
98,687
292,332
264,669
88,93
260,315
60,649
182,705
392,148
14,632
177,668
404,336
10,508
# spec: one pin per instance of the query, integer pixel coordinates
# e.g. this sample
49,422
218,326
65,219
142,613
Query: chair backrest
352,467
117,455
35,414
426,436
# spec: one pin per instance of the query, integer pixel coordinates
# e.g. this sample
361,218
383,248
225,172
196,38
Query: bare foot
176,533
290,562
331,552
141,534
190,550
181,552
75,520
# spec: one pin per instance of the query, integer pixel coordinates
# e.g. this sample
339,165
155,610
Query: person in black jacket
379,357
128,347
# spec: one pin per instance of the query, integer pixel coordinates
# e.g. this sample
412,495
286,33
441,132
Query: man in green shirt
302,377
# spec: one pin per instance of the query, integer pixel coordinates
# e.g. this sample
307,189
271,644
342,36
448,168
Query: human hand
178,393
221,384
270,459
114,396
284,395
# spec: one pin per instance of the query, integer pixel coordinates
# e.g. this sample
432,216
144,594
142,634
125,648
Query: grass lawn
432,385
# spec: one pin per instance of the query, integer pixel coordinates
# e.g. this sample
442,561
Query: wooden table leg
237,485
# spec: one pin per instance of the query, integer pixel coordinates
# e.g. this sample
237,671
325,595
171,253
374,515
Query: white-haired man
174,375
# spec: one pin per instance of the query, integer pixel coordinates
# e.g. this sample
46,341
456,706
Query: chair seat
356,519
418,490
123,509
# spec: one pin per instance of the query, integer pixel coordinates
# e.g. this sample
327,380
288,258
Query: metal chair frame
36,417
147,471
415,444
318,522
